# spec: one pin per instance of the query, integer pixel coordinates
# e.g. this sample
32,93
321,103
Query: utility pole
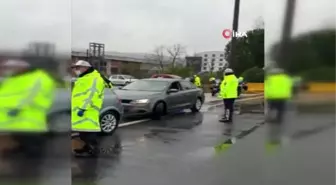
287,30
234,30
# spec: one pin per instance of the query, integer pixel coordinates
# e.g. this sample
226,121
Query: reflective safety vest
228,87
107,82
88,95
278,86
197,81
31,94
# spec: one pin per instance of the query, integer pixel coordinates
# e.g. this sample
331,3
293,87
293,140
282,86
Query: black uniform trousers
229,108
277,108
90,139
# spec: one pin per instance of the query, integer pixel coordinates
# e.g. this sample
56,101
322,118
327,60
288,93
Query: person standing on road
26,95
197,81
86,102
108,83
278,92
228,92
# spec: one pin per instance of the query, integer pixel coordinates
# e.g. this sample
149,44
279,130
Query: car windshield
128,76
146,85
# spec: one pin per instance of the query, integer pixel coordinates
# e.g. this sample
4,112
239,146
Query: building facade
135,64
212,61
194,62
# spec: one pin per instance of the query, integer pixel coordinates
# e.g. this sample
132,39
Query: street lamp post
234,30
286,32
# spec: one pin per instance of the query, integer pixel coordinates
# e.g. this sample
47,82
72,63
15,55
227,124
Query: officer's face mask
77,72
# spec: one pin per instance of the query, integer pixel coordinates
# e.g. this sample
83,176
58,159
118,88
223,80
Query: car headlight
140,101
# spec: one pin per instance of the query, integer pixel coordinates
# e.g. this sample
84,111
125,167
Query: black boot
86,151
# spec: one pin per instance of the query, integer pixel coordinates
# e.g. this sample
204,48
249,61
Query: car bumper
137,110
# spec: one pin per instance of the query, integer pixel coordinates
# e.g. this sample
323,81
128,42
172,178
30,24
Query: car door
175,100
119,80
189,92
113,79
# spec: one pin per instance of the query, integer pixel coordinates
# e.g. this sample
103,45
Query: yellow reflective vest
228,87
197,81
87,95
278,86
107,82
31,94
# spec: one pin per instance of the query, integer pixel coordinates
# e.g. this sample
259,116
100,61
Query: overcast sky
140,25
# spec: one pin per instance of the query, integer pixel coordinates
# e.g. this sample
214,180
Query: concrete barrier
313,87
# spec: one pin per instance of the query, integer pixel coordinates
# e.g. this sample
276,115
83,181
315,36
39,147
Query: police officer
213,87
278,91
26,94
197,81
86,102
108,83
228,92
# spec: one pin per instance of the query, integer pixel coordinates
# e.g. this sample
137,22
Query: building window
212,60
205,55
221,55
220,64
220,68
213,55
205,59
204,64
212,68
204,68
221,59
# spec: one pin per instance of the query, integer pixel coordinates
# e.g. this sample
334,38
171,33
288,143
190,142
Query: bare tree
158,56
175,52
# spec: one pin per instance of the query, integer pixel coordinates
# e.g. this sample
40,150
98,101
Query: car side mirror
172,91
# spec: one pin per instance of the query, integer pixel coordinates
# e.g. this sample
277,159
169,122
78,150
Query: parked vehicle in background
158,96
60,113
166,76
121,80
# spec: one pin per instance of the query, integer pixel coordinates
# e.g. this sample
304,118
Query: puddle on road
162,134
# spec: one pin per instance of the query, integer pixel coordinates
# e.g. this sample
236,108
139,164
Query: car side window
175,85
186,85
113,77
121,77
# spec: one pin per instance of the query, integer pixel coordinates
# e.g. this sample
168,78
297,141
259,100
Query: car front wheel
158,111
109,122
197,106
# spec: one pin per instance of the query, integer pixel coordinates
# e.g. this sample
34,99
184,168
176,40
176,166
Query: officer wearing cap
228,92
197,81
86,102
26,94
278,92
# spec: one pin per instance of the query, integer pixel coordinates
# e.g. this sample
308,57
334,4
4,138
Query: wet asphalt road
180,150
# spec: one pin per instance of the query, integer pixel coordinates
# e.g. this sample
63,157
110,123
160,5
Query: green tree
254,74
310,53
249,51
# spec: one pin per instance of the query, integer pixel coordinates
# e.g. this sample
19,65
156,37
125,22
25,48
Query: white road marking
133,122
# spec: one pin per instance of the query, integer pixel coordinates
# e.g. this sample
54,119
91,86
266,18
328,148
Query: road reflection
91,169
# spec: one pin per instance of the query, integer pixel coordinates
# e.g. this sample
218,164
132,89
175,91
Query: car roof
165,76
162,79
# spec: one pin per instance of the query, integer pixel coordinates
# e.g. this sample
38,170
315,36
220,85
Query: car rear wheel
109,122
158,111
197,106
